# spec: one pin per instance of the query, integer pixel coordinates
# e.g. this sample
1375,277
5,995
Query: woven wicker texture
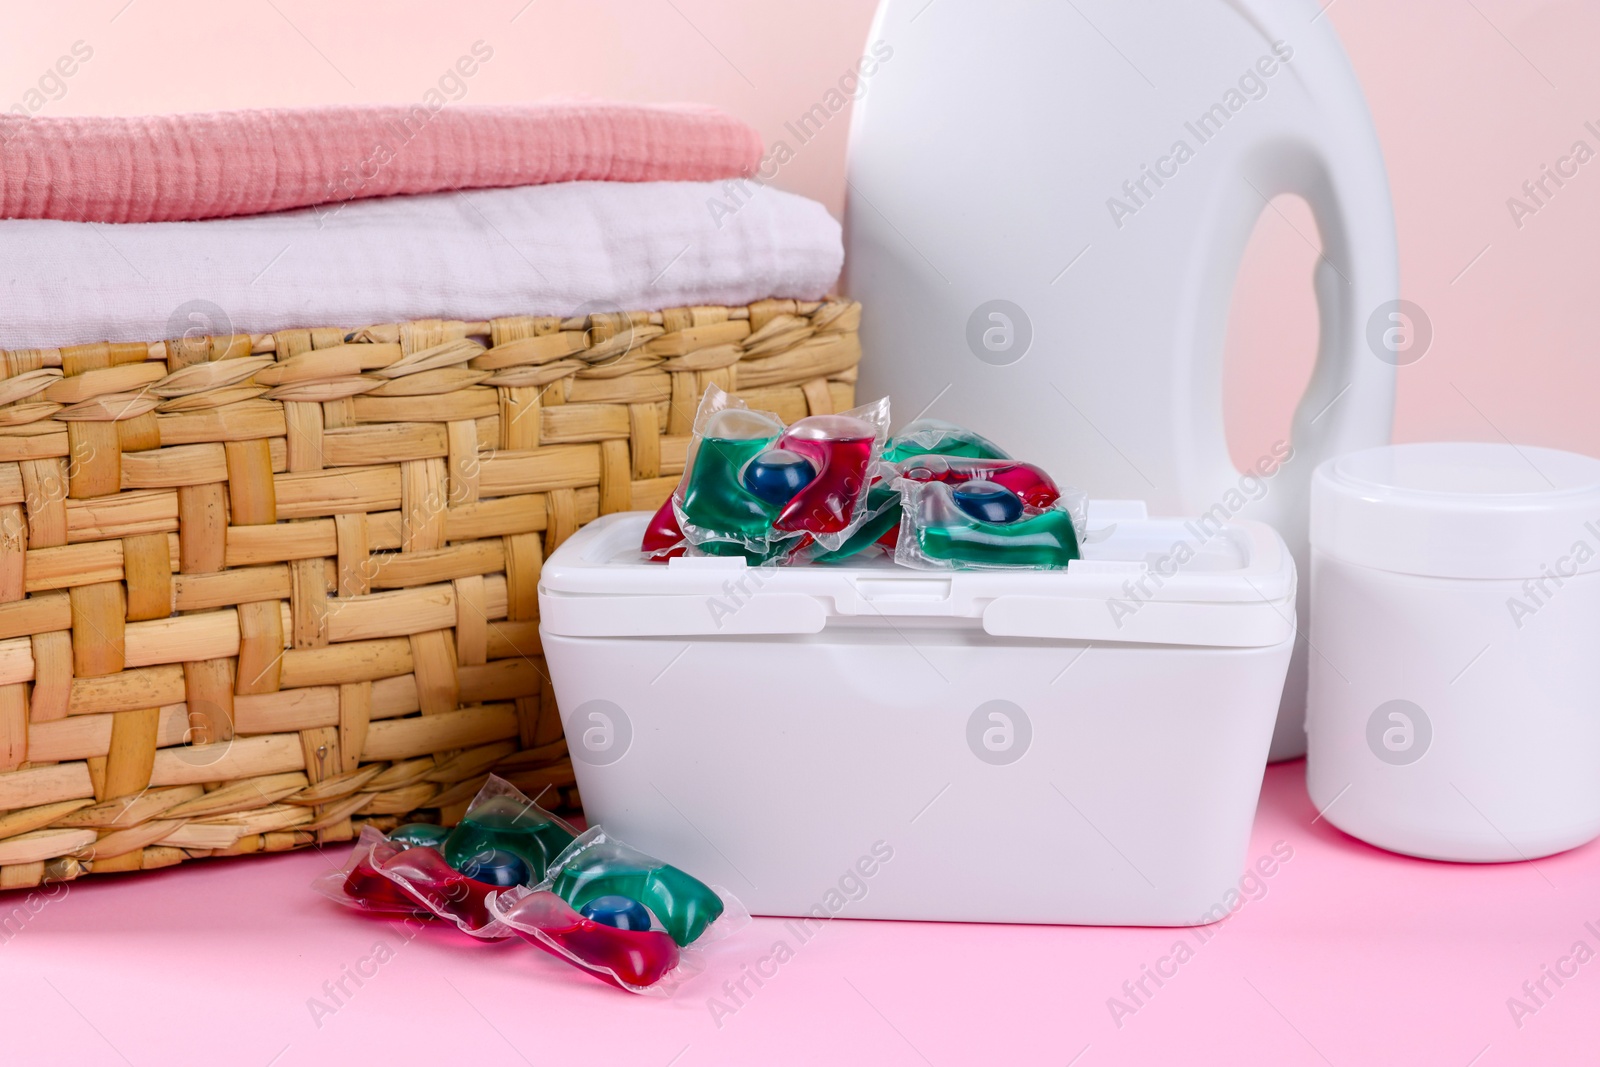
257,591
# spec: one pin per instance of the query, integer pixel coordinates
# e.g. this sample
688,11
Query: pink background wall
1470,99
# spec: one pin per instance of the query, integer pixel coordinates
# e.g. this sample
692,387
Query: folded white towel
538,250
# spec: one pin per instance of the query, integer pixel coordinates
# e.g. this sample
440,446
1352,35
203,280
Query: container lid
1460,510
1147,581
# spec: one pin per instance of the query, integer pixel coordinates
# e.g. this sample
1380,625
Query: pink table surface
1345,955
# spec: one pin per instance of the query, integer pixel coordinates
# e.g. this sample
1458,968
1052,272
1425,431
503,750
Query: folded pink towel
175,167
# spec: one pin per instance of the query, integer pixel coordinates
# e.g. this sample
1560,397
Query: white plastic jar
1454,701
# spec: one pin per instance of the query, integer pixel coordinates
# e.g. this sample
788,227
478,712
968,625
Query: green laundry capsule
684,905
515,825
1047,539
715,497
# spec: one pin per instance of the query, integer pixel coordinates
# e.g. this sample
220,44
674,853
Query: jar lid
1460,510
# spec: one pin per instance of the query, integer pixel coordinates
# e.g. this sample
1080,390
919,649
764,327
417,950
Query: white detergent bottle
1047,207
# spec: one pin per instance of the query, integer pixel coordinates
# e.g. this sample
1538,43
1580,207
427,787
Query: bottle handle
1337,168
1349,402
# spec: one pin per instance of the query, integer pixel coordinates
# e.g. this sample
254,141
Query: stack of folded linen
294,405
358,215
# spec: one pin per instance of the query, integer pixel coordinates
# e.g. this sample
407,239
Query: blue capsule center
776,475
988,502
616,910
496,866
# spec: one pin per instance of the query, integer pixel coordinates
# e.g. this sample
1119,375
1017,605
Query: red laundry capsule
628,958
662,538
445,891
369,890
840,446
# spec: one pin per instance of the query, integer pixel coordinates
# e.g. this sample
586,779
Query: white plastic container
1454,702
880,742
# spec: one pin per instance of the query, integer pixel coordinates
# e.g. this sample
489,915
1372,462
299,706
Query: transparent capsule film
1076,503
880,516
644,961
358,884
920,507
735,917
425,875
497,788
938,437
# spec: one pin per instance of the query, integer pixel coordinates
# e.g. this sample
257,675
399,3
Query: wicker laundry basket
258,590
